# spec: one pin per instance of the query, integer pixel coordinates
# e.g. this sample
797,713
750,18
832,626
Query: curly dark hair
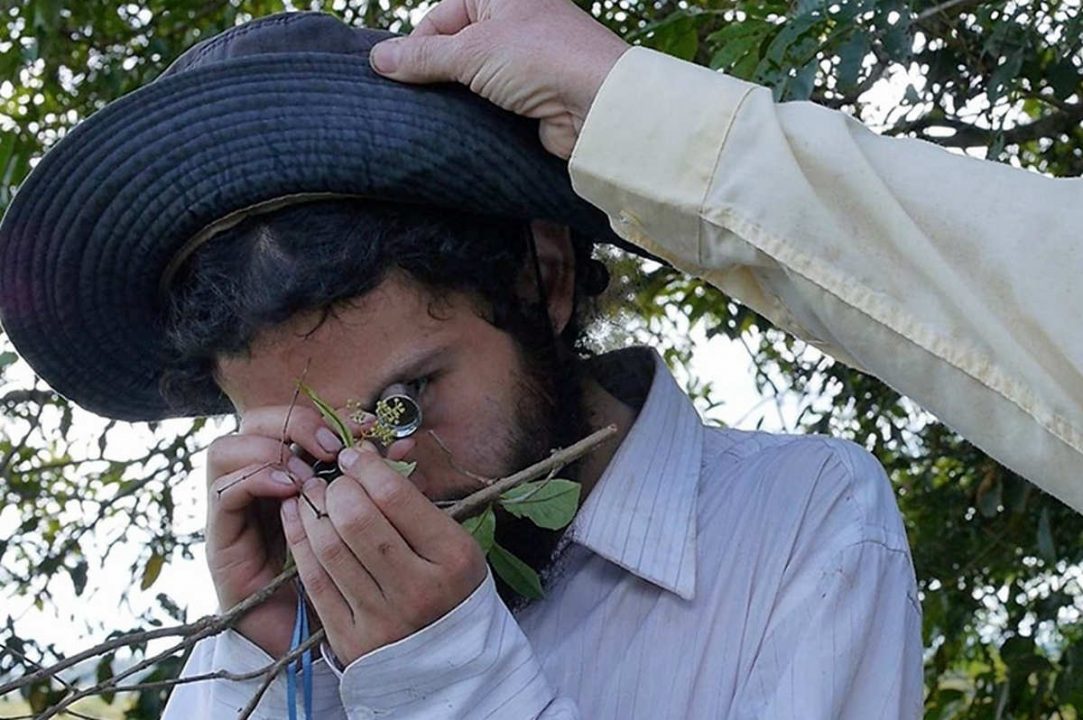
319,255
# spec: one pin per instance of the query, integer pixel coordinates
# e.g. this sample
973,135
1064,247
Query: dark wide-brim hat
282,109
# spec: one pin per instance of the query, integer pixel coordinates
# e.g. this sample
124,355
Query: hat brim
85,241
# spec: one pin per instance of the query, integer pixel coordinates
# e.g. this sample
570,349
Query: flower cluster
388,414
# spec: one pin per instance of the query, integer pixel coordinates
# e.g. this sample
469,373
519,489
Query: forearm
950,278
474,662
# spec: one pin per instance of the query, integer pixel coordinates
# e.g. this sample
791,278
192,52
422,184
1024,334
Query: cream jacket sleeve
959,282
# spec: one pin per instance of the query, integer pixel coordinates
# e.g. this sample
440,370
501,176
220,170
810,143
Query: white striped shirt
710,574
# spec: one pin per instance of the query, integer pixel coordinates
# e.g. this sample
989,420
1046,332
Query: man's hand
544,59
245,551
382,561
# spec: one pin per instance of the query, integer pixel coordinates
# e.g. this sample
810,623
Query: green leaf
675,34
151,570
852,55
78,576
329,415
549,504
519,576
105,672
736,42
989,497
1046,547
483,528
401,467
7,358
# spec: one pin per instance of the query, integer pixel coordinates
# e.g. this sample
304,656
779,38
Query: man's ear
557,263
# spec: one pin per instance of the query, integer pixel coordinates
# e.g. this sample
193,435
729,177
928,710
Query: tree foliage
997,560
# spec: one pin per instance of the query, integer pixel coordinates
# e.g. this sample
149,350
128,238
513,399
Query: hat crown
287,32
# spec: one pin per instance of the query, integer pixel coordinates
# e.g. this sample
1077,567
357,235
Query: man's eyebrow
405,369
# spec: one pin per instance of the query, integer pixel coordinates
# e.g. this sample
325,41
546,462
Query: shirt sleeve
474,662
952,279
222,698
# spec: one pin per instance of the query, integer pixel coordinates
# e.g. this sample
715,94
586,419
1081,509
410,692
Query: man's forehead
387,336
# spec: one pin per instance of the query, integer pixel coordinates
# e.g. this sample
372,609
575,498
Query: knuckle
330,551
424,604
464,560
356,522
314,581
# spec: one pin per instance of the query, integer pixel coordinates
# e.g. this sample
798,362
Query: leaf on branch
519,576
402,468
483,528
7,358
78,576
1046,547
151,570
736,42
550,504
329,415
104,673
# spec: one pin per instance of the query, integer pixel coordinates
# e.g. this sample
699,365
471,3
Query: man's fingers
446,18
423,526
330,605
305,427
436,58
230,453
370,537
236,491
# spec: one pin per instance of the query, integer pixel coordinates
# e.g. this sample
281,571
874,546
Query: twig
61,680
471,504
485,481
312,639
214,624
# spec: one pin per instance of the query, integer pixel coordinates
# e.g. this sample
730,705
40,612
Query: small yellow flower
388,413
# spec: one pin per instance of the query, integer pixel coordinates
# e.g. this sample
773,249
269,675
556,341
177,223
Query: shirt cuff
678,135
474,662
234,652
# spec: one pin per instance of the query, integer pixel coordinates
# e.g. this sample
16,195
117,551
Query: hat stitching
241,30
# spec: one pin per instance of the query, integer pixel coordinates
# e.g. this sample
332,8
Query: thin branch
969,135
944,7
485,481
214,624
61,680
269,678
473,503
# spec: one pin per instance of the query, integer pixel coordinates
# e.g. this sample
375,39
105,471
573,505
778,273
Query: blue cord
303,663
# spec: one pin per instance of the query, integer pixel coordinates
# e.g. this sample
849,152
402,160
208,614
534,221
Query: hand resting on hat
543,59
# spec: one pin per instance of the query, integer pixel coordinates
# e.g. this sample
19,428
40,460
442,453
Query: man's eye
417,387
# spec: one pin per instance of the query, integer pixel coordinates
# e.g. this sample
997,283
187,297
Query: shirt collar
641,513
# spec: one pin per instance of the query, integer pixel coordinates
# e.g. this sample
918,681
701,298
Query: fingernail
312,484
385,56
328,440
289,509
300,468
348,458
281,477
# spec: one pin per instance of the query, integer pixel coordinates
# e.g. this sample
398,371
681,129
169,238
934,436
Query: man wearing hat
270,209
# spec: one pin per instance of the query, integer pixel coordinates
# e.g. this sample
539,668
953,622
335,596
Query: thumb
418,59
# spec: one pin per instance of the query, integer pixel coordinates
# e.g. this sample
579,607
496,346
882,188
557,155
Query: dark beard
549,415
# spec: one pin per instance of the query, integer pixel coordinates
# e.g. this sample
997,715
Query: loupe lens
409,419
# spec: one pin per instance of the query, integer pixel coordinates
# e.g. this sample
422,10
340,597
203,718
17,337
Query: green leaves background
997,561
